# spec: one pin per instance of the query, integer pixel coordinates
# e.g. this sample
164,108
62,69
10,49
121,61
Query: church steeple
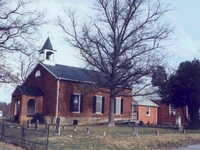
47,45
47,54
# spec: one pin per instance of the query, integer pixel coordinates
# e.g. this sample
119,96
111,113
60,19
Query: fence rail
21,134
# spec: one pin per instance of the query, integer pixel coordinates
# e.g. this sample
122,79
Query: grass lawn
120,138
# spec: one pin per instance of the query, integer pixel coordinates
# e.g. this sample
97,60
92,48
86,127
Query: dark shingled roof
30,90
74,73
47,45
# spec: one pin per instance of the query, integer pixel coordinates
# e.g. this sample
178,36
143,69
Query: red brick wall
23,107
48,84
38,104
142,116
67,88
165,117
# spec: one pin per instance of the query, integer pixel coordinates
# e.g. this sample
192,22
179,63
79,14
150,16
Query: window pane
172,110
31,107
98,104
118,105
148,110
76,107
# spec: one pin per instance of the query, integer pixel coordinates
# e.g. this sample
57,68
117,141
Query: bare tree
122,40
24,66
15,68
5,71
19,23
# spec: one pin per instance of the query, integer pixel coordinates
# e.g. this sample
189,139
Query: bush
141,123
39,117
194,125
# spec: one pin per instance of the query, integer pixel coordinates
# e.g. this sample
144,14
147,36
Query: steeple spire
47,45
47,54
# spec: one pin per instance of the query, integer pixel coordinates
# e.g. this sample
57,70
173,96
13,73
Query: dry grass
119,137
8,146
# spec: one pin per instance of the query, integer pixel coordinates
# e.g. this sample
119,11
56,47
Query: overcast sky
186,19
185,39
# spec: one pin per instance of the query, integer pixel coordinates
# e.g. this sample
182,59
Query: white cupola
47,54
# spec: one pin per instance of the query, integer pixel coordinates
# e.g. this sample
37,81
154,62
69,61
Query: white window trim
100,104
172,111
79,104
17,102
120,105
149,110
38,73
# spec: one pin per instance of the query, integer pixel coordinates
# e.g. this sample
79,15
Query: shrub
141,123
39,117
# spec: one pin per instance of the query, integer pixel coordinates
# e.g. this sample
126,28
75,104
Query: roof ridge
86,69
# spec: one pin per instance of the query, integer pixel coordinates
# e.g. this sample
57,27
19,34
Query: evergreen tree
159,76
183,88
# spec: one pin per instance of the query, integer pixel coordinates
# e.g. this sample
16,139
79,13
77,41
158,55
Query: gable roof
74,73
154,96
144,101
147,100
29,90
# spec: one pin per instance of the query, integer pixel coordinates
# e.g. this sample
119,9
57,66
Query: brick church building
71,93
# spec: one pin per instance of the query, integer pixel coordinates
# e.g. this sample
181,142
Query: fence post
135,129
157,133
75,128
23,135
57,131
47,125
28,124
36,124
87,130
3,132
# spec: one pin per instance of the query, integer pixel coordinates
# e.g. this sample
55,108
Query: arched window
31,107
38,73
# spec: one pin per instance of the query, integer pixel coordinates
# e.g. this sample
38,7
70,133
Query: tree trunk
194,117
184,114
111,119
